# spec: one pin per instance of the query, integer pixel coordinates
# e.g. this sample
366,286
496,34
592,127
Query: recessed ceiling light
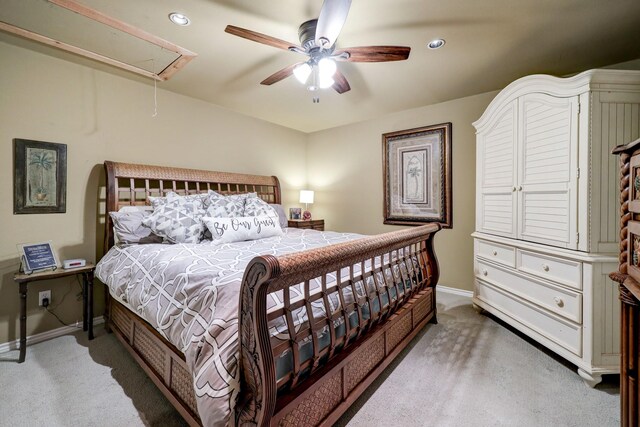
436,44
179,19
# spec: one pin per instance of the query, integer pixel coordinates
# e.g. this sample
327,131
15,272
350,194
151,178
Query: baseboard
455,291
48,335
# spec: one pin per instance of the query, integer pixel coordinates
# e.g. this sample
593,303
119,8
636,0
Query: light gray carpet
466,371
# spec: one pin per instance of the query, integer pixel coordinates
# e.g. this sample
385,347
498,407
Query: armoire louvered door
497,174
548,170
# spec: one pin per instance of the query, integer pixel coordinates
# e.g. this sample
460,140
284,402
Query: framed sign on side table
37,257
417,176
39,177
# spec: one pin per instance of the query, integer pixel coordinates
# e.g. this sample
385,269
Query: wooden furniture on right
312,224
87,298
546,232
319,390
628,276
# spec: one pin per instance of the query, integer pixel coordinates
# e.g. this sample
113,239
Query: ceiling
489,43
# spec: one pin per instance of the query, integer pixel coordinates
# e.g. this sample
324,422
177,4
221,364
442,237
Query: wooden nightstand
87,298
314,224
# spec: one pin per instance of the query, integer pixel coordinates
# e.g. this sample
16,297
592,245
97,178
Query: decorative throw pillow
128,227
171,196
282,216
226,207
255,206
227,230
178,221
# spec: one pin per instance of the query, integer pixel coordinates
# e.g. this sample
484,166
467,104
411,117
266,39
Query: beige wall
345,170
104,117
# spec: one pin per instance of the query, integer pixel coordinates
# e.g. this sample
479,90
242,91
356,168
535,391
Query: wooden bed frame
317,391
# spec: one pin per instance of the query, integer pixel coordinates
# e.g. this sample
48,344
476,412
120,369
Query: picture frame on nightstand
295,213
37,257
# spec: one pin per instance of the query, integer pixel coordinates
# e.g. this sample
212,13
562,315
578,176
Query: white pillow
227,230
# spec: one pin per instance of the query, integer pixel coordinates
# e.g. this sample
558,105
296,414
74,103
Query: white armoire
546,211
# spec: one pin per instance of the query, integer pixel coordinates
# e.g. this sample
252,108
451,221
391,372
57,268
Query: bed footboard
347,311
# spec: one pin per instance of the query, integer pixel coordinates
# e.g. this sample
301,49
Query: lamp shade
306,196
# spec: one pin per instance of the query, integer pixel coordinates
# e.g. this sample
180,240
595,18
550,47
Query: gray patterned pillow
255,206
227,207
128,228
171,196
178,220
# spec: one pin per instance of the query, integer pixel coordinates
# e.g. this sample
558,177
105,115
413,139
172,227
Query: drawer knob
558,301
495,253
485,272
514,189
520,188
545,267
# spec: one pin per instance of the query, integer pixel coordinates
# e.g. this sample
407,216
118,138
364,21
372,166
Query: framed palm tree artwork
40,177
417,176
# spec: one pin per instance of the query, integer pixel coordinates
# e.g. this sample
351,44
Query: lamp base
306,215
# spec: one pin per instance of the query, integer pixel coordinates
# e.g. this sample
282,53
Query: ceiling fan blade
280,75
341,84
259,37
374,53
332,17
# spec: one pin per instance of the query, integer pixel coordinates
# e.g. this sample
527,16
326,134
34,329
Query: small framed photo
37,257
295,213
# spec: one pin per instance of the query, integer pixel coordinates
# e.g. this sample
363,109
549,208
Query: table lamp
306,197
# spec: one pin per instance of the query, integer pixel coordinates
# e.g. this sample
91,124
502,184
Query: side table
312,224
87,298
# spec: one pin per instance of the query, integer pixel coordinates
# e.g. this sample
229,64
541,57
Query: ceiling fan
317,41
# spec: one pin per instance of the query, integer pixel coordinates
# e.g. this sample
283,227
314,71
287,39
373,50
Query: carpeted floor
468,370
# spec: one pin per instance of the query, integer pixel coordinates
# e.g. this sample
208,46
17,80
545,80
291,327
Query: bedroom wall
100,117
345,170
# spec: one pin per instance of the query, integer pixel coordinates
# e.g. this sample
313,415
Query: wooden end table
87,298
312,224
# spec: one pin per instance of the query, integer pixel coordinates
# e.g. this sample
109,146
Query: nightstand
314,224
87,298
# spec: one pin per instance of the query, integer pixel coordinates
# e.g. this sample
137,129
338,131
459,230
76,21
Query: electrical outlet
42,295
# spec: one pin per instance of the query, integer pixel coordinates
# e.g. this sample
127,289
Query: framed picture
417,176
39,177
295,213
37,257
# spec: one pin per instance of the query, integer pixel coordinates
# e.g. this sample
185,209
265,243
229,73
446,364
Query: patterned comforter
190,294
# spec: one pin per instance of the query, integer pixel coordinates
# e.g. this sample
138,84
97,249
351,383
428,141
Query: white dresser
546,211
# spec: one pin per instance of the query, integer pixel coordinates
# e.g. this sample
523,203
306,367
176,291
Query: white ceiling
489,44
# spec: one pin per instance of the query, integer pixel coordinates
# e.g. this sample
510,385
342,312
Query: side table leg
90,302
84,301
23,321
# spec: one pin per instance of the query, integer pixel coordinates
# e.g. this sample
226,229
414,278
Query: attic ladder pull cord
155,90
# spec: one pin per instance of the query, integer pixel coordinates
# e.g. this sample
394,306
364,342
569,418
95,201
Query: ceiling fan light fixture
302,72
436,44
179,19
326,82
327,68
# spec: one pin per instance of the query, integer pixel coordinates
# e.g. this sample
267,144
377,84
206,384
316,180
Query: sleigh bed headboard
131,184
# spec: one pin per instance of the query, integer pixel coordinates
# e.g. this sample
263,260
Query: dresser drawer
556,299
495,252
559,270
563,332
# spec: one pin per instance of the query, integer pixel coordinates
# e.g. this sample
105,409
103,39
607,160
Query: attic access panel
76,28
